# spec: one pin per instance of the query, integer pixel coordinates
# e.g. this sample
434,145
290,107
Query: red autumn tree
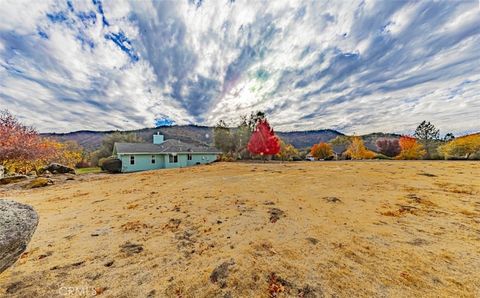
263,140
388,147
16,139
22,149
411,149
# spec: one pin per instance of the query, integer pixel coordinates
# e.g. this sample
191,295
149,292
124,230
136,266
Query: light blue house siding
144,162
141,162
162,154
201,159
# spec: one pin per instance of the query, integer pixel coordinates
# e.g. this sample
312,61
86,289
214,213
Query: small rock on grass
131,248
332,199
275,214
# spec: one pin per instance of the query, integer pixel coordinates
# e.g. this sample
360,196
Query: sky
358,67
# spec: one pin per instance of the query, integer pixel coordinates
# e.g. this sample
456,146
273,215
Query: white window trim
174,156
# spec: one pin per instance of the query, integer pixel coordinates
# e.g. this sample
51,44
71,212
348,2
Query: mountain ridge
197,134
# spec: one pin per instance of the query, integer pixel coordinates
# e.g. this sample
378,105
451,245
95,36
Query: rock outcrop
12,179
17,225
39,182
56,168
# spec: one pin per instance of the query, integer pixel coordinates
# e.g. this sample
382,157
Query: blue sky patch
123,43
98,3
164,121
42,34
57,17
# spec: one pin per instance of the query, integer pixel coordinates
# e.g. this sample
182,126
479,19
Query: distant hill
92,140
306,139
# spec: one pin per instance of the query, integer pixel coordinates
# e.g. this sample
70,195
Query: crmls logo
77,291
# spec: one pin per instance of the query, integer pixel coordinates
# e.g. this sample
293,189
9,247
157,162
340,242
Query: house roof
169,146
339,149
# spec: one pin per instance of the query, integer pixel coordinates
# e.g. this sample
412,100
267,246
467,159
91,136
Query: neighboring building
162,154
338,151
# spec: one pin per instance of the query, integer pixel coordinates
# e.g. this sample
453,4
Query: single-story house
162,154
338,151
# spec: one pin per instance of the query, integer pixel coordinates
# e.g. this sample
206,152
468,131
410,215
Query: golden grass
349,229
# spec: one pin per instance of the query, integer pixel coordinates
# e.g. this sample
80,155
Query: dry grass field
306,229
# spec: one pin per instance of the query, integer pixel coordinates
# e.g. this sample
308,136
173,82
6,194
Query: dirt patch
14,287
173,224
220,273
275,287
134,226
401,211
276,214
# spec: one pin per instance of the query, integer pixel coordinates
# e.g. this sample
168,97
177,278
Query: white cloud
376,66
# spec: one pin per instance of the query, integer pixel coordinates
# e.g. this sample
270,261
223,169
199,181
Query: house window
173,158
189,157
153,159
132,160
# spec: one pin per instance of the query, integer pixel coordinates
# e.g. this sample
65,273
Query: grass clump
91,170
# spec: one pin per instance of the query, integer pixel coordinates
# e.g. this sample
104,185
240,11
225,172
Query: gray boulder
2,171
17,225
56,168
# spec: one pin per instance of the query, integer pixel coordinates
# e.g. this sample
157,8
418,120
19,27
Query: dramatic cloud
357,67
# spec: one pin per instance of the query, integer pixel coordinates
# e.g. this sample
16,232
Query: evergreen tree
428,135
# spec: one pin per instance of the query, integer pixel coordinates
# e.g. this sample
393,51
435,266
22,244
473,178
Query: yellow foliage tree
321,151
69,153
462,147
357,150
287,151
